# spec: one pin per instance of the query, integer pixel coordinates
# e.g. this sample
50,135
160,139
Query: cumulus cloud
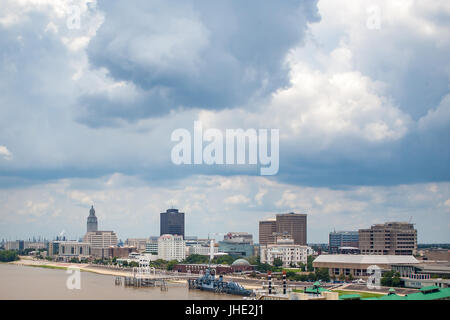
134,212
5,153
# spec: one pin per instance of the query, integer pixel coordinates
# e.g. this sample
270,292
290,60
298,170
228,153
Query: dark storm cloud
193,54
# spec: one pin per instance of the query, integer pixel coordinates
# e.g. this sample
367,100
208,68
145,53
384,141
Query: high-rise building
391,238
294,224
92,223
172,222
266,230
339,239
100,242
171,247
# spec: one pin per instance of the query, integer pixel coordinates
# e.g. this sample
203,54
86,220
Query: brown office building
391,238
267,228
293,224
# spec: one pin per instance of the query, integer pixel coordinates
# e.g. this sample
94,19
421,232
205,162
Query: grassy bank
362,294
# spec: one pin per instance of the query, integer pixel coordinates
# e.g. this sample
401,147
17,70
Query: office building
238,244
172,222
171,247
340,239
151,246
92,223
100,242
291,223
294,224
391,238
139,243
66,250
266,230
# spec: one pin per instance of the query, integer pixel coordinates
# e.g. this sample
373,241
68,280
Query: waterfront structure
291,254
92,223
172,222
171,247
100,242
266,230
339,239
294,224
67,250
356,265
391,238
139,243
238,244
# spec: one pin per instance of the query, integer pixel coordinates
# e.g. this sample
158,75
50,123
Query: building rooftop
240,262
366,259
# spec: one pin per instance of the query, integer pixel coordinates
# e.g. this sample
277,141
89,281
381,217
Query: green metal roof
430,294
426,293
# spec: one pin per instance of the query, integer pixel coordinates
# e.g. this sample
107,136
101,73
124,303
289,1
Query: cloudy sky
90,92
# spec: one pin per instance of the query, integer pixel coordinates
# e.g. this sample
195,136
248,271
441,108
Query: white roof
365,259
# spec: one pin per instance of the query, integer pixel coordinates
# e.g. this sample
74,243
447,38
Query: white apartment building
291,254
171,247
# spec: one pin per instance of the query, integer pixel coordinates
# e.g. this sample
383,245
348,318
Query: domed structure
241,262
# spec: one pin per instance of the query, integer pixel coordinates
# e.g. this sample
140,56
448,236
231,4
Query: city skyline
360,99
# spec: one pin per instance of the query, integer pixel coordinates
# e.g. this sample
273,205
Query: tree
391,279
277,262
322,274
171,264
8,255
309,264
342,277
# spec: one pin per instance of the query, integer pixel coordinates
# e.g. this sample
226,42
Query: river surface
25,282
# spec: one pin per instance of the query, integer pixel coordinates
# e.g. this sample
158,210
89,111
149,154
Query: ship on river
209,282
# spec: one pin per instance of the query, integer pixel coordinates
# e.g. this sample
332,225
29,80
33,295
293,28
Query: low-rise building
67,250
290,254
238,244
357,265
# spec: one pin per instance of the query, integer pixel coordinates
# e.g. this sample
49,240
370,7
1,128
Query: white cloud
5,153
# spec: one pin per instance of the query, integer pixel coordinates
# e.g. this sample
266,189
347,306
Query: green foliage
224,259
8,255
196,259
171,264
277,262
322,274
391,279
309,264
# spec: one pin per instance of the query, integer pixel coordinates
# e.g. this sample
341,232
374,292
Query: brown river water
24,282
